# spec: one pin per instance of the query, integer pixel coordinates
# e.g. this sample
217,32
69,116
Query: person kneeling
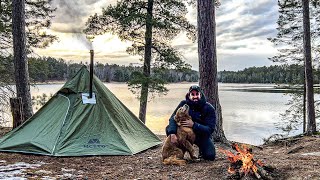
203,120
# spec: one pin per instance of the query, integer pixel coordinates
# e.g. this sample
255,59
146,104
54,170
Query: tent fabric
65,126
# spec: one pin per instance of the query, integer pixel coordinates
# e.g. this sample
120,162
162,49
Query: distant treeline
282,74
50,69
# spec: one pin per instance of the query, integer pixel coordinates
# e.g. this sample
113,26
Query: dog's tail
172,160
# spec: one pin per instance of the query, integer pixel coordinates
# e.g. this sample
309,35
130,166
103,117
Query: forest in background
47,69
280,74
50,69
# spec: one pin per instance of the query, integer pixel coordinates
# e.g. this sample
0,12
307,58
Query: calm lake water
249,110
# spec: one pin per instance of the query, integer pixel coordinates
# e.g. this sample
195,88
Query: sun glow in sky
242,31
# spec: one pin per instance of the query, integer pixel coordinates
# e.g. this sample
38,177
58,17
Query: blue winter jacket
203,115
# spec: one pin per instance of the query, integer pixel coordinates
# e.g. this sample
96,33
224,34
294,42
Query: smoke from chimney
70,17
82,37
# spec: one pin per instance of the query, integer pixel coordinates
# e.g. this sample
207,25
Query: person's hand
173,138
187,123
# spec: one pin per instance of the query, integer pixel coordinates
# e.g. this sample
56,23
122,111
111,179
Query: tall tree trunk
146,64
304,107
19,56
311,126
208,61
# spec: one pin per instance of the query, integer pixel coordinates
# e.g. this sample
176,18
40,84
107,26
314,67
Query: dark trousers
206,147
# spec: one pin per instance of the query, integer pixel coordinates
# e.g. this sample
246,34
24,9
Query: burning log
243,163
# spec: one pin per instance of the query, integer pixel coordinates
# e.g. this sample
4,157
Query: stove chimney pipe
91,73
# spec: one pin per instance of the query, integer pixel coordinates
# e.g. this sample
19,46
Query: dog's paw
195,160
194,156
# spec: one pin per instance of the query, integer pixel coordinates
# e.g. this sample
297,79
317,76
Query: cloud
242,19
242,31
186,47
240,61
265,6
243,27
234,46
116,56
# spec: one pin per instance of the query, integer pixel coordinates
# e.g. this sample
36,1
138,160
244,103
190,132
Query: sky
243,27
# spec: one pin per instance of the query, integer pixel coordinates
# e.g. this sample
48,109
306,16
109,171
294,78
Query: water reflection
248,116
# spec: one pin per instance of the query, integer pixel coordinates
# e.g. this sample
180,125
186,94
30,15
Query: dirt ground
297,158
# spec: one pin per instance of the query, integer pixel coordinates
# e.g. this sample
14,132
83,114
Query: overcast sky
243,27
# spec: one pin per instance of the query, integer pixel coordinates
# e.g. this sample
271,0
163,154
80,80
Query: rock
311,154
43,172
67,170
2,161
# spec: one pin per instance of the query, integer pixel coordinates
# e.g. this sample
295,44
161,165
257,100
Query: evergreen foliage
6,91
46,69
291,119
36,19
279,74
289,39
40,100
150,26
296,28
38,14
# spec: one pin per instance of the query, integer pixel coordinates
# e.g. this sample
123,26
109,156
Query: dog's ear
177,120
178,111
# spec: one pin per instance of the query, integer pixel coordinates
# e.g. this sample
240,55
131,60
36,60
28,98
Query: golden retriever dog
173,153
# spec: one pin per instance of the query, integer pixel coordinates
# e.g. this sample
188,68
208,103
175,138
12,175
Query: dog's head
181,114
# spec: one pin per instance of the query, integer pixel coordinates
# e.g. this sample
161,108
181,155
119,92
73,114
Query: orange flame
245,156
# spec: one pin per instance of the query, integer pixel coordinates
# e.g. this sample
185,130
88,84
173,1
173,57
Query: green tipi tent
71,124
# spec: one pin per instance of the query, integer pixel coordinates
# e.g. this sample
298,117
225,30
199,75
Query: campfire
243,163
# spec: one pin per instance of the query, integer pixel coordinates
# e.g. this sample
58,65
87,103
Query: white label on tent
87,100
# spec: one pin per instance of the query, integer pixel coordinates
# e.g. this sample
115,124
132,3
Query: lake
249,110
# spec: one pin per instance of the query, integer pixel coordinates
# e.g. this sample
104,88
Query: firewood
269,168
257,175
244,165
263,173
236,165
236,175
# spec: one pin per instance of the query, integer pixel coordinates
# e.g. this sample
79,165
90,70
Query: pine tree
310,111
19,57
289,39
35,16
208,61
150,26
